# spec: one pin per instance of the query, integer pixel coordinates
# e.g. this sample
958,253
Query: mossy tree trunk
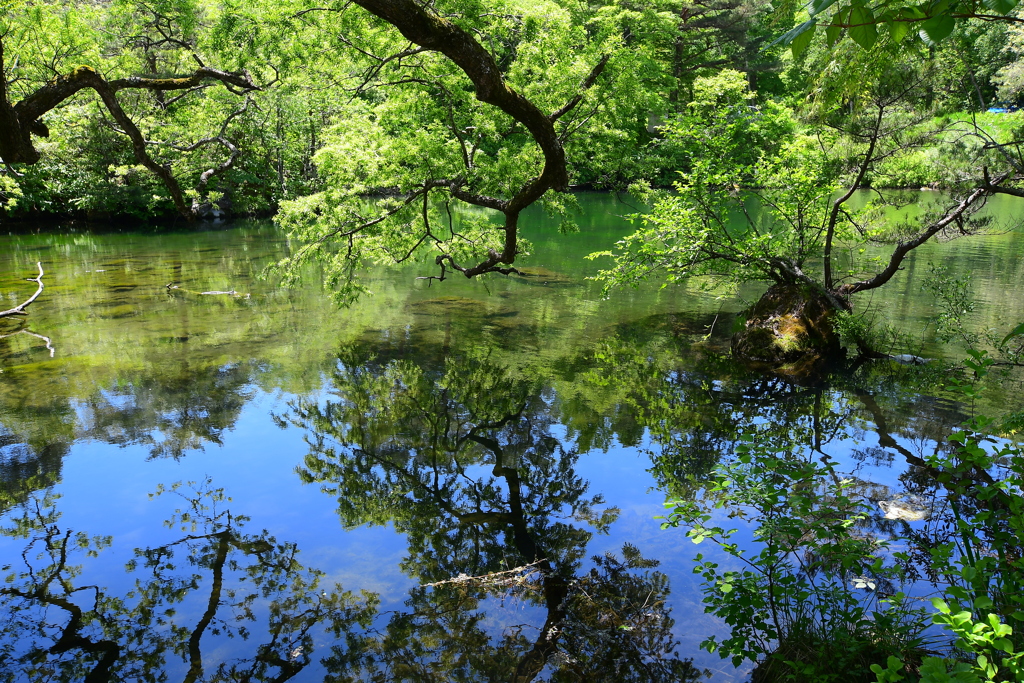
789,323
794,321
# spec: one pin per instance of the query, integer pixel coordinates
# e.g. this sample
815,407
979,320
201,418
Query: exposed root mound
789,324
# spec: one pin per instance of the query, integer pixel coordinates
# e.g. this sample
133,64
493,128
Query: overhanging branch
954,215
435,33
19,122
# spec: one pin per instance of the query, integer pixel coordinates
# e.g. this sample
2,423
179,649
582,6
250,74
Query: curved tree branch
20,308
837,206
994,188
972,201
434,33
20,121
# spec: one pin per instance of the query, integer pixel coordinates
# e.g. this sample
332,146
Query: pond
258,485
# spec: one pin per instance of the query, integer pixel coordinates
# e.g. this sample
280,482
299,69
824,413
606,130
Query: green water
376,454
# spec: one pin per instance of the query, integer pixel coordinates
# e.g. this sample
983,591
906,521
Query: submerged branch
491,578
172,288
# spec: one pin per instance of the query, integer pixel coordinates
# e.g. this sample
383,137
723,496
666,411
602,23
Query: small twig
20,308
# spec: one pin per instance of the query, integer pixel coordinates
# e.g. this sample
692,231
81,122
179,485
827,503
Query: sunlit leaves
932,20
711,226
862,26
898,30
1015,332
394,167
938,28
802,40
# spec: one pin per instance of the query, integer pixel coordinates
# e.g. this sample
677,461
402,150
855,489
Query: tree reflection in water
464,460
475,462
231,583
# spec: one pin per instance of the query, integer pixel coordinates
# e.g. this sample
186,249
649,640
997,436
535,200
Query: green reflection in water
457,414
461,457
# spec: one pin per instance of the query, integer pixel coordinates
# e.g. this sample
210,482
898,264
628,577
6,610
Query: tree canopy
392,131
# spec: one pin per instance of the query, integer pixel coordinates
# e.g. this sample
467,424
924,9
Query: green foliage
956,303
82,169
918,169
794,607
724,120
708,226
984,591
955,297
328,79
10,193
790,606
403,171
788,212
967,64
930,22
863,330
1009,79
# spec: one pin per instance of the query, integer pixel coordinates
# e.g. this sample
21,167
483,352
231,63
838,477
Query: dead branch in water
49,342
20,309
502,578
171,288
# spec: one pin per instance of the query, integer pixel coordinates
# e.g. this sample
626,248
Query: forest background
330,119
326,90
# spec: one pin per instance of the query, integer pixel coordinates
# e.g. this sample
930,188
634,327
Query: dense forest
801,155
251,110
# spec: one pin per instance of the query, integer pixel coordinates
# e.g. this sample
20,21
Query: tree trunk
790,325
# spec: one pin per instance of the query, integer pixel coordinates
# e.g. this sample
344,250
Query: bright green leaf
938,27
898,30
862,26
833,34
1000,6
802,40
1016,332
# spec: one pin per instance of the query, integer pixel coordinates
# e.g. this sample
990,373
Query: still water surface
266,487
